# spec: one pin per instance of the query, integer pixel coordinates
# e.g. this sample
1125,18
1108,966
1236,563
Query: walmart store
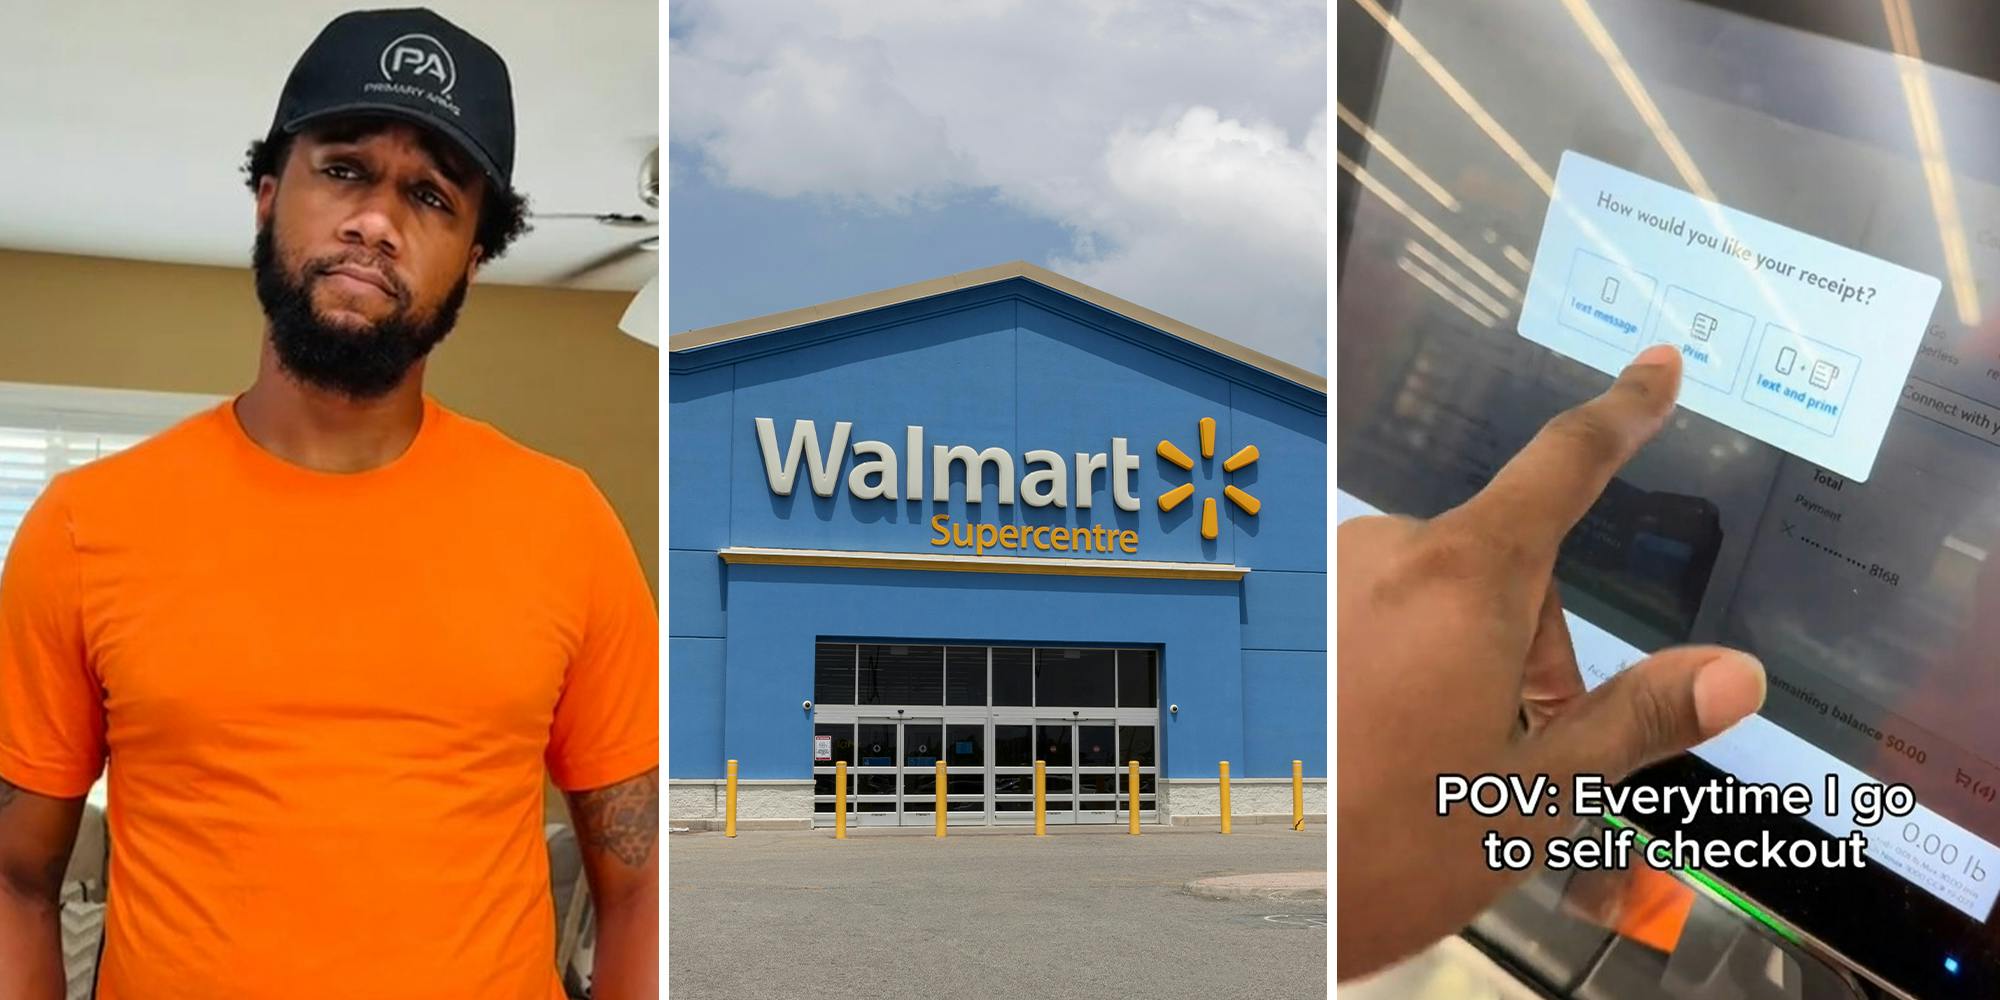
988,519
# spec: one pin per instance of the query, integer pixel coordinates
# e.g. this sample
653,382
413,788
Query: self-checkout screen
1816,226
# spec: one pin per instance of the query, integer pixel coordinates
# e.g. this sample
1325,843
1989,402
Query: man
1454,659
330,634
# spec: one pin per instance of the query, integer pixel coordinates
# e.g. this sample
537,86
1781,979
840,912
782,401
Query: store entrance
892,712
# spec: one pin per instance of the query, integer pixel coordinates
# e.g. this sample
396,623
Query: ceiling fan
641,318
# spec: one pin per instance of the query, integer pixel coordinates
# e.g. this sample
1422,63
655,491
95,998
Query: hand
1454,659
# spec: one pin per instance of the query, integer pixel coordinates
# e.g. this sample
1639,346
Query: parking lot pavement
1074,914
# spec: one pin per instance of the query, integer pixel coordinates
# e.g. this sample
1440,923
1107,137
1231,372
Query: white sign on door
822,748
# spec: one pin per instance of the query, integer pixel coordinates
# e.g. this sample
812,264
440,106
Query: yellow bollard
940,793
1041,801
729,804
1225,796
1298,795
1132,793
840,800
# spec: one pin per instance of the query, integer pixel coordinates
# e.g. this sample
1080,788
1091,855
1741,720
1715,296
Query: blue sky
1171,153
721,273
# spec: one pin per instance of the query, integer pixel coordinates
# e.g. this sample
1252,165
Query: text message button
1606,300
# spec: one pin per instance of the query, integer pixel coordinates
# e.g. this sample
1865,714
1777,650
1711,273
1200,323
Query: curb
1279,885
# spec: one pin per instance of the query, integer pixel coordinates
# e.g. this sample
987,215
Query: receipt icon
1704,326
1823,374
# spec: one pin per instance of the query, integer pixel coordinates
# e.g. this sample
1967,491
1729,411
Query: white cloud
1212,217
1182,144
787,125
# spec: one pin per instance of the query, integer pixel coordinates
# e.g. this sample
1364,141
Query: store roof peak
793,318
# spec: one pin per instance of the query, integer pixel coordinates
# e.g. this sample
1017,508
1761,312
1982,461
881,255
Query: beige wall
548,367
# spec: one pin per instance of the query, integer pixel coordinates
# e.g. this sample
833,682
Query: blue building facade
991,519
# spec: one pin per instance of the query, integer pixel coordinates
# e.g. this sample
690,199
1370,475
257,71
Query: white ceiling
126,122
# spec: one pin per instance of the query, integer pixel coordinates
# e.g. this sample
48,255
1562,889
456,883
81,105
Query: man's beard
361,364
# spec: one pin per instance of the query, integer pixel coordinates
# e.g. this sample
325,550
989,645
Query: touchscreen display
1867,578
1798,342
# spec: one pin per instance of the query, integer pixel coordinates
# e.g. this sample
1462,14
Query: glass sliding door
893,710
875,791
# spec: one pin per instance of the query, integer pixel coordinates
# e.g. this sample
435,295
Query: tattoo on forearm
623,819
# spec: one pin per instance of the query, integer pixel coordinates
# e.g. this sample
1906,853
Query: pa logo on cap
421,60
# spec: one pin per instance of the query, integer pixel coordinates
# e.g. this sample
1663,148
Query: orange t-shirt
327,702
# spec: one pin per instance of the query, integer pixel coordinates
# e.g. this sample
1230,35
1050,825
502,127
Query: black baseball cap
411,64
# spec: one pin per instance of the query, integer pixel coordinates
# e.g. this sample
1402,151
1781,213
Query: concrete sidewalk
1084,912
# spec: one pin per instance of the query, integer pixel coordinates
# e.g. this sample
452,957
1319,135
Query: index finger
1540,494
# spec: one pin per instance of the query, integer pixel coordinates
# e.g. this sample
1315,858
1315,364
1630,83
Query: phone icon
1787,359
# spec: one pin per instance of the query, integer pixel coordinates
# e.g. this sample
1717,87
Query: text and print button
1801,379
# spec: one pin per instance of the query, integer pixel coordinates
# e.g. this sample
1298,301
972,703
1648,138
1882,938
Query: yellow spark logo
1173,497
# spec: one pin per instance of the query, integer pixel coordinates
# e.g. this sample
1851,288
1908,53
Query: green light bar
1725,892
